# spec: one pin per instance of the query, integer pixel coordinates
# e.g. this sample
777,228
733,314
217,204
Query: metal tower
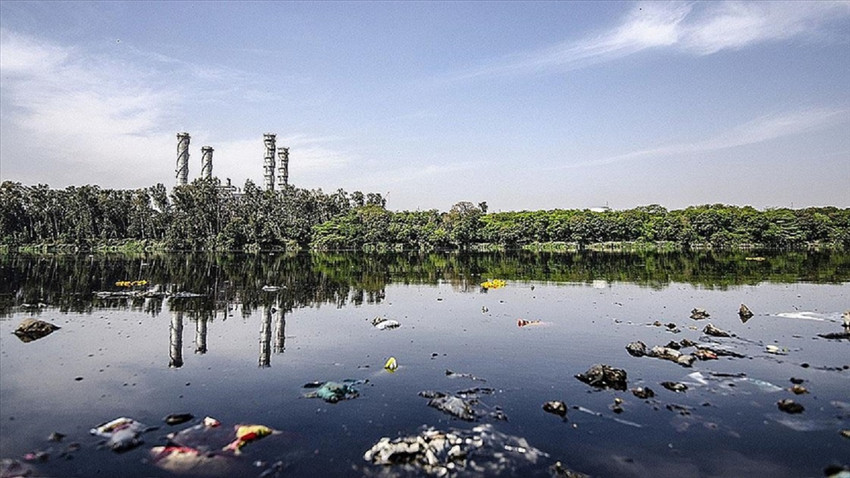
182,159
283,167
206,162
268,163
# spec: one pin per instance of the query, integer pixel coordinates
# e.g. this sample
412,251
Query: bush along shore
206,216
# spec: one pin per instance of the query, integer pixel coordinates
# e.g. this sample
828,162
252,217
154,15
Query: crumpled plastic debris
272,288
34,329
526,323
187,460
246,434
745,313
333,392
556,407
451,374
391,365
178,418
494,284
604,376
481,451
775,350
464,404
699,314
383,323
674,386
715,332
131,283
643,392
790,406
122,433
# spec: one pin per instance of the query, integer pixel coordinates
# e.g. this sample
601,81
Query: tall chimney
268,163
206,162
182,159
283,167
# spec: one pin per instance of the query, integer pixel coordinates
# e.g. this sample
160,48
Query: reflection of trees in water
227,282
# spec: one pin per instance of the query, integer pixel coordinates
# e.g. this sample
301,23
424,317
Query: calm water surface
241,354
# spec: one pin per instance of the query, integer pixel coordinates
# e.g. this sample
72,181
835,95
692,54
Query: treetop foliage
204,215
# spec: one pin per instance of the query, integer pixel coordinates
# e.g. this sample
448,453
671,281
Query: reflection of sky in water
251,368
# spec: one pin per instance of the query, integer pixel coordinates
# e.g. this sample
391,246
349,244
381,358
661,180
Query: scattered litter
604,376
798,389
186,295
494,284
617,406
836,335
333,392
131,283
122,433
845,433
525,323
383,323
845,318
715,332
481,451
56,436
185,460
178,418
391,365
674,386
451,374
636,349
557,407
34,329
699,314
790,406
14,468
643,392
246,434
272,288
745,313
463,404
775,350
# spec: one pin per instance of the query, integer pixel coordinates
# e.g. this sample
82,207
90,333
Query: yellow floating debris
131,283
391,365
494,284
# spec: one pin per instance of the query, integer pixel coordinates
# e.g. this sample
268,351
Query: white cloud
760,130
699,29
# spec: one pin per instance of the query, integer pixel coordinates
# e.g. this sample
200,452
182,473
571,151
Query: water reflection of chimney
266,338
176,338
280,333
201,336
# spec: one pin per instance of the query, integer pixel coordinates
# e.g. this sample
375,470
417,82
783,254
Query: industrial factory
207,162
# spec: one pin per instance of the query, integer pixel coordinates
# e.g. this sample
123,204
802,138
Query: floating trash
556,407
481,451
775,350
790,406
178,418
604,376
643,392
699,314
450,404
272,288
745,313
677,387
122,433
246,434
451,374
34,329
526,323
494,284
131,283
333,392
715,332
391,365
382,323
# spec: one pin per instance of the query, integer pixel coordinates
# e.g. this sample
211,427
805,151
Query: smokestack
206,162
268,163
182,159
283,168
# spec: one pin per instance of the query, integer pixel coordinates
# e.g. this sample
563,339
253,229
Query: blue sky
525,105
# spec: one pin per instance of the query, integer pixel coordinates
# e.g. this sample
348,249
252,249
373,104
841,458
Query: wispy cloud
693,28
760,130
102,117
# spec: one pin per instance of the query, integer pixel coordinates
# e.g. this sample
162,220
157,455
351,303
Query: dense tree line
206,216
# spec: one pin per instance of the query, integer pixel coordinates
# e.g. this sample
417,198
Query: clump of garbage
122,434
481,451
333,392
604,376
383,323
464,404
494,284
34,329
